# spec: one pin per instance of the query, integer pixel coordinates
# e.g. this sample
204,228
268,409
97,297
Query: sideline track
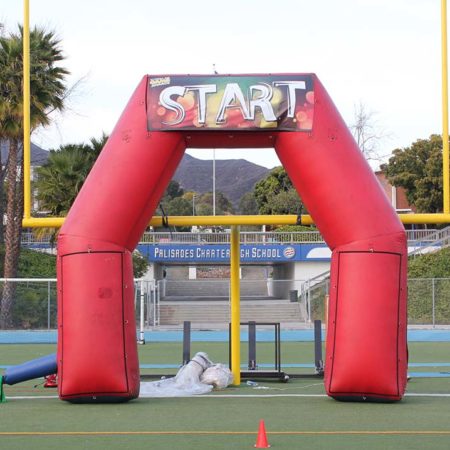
50,337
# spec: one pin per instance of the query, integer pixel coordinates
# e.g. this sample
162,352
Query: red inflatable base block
97,351
366,338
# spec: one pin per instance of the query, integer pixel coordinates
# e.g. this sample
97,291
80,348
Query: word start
257,97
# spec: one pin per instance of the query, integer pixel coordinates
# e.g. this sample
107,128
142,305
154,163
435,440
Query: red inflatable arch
366,355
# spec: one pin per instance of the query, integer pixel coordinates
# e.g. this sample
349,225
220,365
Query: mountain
234,177
38,155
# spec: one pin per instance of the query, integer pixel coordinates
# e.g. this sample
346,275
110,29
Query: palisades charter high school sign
220,253
233,102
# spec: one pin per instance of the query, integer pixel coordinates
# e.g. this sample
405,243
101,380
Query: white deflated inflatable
199,376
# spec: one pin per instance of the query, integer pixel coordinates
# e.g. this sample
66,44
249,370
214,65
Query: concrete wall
309,269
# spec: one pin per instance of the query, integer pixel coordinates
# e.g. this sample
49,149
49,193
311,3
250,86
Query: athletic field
297,414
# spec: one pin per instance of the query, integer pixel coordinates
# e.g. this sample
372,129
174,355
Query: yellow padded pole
56,222
235,305
445,144
43,222
26,112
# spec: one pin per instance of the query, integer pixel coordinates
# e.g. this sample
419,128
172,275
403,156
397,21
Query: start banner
232,102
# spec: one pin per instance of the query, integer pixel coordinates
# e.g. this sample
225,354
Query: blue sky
383,53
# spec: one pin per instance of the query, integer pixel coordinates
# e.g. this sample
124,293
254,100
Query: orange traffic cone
261,440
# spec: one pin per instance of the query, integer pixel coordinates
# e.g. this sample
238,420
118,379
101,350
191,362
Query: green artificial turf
177,423
171,352
297,415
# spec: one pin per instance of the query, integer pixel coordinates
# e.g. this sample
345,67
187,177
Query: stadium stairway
218,312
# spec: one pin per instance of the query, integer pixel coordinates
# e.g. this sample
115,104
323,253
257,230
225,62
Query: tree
294,228
96,146
275,194
366,132
223,204
418,169
247,204
204,209
191,197
48,92
176,202
172,203
286,202
178,206
60,179
140,264
173,190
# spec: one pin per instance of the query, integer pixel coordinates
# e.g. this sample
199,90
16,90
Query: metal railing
436,241
422,241
295,237
247,237
314,294
29,238
224,238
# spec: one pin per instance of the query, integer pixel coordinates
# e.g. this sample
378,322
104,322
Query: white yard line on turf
39,397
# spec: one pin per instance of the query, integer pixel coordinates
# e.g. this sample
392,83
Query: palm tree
60,179
48,92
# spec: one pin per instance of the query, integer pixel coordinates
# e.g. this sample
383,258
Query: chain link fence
34,300
428,300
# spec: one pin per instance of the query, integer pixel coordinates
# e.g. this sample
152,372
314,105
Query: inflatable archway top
366,338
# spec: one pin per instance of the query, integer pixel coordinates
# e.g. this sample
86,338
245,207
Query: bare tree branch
367,132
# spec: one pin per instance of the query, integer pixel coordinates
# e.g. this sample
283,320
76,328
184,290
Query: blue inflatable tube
35,368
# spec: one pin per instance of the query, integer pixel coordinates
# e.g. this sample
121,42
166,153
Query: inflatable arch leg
97,352
366,354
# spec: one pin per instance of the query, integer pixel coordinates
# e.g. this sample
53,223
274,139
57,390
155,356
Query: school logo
289,252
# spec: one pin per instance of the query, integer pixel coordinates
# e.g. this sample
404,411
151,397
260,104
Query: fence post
141,339
48,304
157,300
308,302
154,299
153,302
434,302
151,294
